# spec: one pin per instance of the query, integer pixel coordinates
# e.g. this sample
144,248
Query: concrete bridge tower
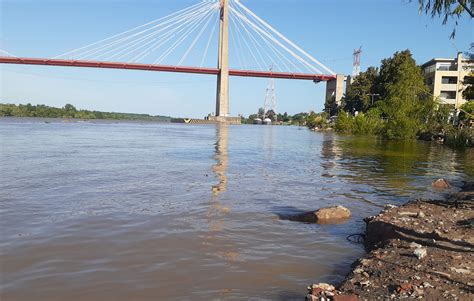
222,97
222,100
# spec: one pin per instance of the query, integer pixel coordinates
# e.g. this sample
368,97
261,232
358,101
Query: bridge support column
222,100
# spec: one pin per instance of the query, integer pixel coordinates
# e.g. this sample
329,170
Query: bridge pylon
222,97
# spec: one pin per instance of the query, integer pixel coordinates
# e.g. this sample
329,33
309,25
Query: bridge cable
7,53
196,39
246,30
275,40
180,41
283,37
164,37
180,19
237,44
131,30
209,41
271,46
252,38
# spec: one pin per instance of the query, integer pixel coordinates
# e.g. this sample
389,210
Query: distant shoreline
70,112
80,120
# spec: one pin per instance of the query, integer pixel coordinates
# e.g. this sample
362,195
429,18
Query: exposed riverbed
146,211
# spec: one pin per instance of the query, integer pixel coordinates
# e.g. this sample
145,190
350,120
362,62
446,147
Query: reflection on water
127,211
217,212
222,158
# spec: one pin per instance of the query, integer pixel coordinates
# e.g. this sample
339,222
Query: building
445,78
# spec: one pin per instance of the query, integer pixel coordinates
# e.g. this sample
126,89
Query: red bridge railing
161,68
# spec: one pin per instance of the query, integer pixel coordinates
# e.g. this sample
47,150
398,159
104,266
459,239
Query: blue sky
329,30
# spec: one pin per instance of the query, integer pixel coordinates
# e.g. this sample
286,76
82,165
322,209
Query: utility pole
222,100
373,95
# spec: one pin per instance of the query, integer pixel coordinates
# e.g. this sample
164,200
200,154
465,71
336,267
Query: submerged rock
328,215
440,184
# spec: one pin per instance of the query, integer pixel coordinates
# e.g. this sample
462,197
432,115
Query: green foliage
406,103
468,93
330,106
317,120
459,138
284,117
69,111
345,123
361,92
437,120
447,9
467,111
297,119
369,123
404,110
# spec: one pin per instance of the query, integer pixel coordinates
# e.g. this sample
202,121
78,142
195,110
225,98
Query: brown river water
159,211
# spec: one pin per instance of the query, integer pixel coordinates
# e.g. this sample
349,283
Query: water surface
150,211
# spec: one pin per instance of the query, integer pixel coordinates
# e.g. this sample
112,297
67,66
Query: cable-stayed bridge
181,42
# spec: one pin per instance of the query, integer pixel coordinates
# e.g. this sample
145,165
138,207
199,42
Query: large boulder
328,215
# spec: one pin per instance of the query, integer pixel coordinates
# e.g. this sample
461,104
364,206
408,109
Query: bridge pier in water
222,94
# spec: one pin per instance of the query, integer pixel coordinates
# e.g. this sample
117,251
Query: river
159,211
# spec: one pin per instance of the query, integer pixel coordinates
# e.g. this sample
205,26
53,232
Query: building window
430,69
444,67
449,80
448,94
429,81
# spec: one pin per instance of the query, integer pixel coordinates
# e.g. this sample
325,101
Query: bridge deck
161,68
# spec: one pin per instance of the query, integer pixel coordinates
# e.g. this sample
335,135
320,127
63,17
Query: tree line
69,111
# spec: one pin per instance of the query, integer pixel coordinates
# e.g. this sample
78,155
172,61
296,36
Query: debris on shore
423,249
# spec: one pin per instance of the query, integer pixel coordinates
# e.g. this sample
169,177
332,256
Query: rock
427,285
420,253
328,215
389,206
364,283
315,291
405,288
365,262
440,184
414,245
324,287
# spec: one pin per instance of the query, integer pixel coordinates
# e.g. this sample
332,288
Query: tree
468,93
406,103
330,106
261,113
358,96
448,9
316,120
271,114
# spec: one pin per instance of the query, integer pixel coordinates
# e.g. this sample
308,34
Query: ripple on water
143,211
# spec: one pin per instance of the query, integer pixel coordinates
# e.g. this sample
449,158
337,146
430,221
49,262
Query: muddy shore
423,249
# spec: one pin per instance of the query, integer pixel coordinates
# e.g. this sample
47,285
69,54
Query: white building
445,78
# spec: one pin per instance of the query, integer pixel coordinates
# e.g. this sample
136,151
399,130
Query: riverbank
423,249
